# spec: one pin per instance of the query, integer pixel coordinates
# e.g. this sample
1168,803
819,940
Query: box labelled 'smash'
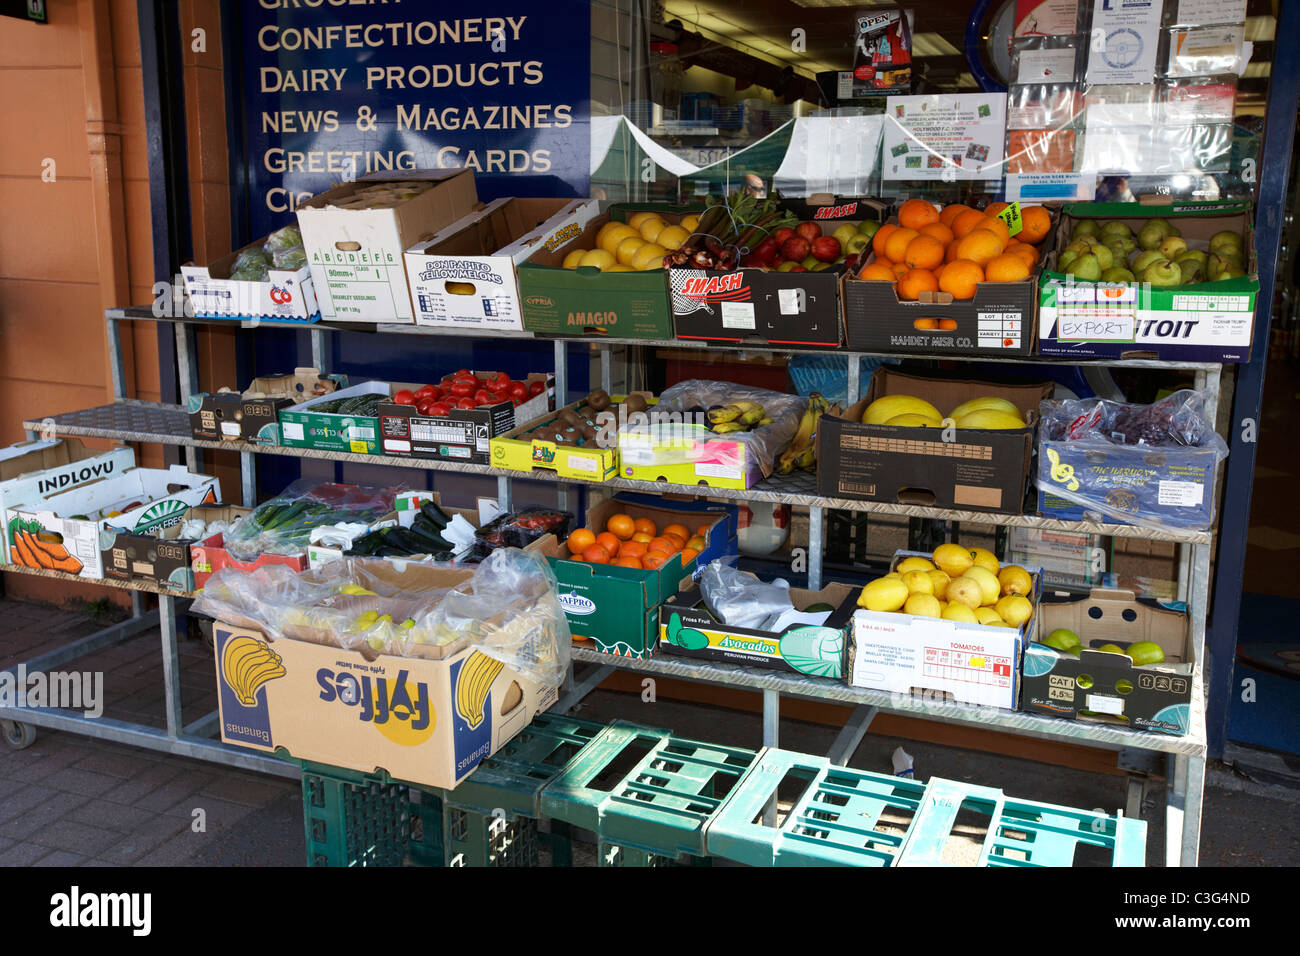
356,233
464,277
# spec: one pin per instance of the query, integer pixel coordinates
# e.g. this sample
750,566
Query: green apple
1145,652
1115,229
1172,246
1086,227
1162,273
1063,639
868,228
1227,243
1105,258
1151,236
844,233
1085,267
1144,259
856,244
1118,274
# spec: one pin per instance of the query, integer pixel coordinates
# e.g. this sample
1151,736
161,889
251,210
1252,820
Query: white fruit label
292,430
230,428
718,471
360,433
1181,494
581,463
1100,704
791,301
999,330
738,315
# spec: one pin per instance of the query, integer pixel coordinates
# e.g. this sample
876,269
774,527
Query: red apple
826,248
782,234
796,248
809,230
798,269
766,251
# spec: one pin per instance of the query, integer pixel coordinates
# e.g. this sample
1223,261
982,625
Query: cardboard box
974,470
688,629
161,556
587,302
254,415
1067,559
406,716
80,525
1128,484
302,426
939,659
464,277
618,608
1105,686
32,471
463,434
356,255
286,295
521,450
1202,322
998,320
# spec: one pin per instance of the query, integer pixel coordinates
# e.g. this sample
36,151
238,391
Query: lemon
1111,649
599,258
984,403
913,564
628,248
690,223
1063,639
959,612
986,559
650,228
637,218
651,256
987,616
618,268
953,559
1014,609
1015,580
573,258
989,587
939,580
610,240
883,594
913,420
674,237
891,406
965,591
990,418
923,605
918,582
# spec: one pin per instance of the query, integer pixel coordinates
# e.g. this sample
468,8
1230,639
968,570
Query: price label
1011,216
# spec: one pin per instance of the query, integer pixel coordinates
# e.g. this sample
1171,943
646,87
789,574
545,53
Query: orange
676,539
916,213
938,230
965,222
996,225
666,545
643,537
703,530
632,549
654,560
979,246
900,269
950,253
881,237
960,278
609,542
580,541
689,555
896,244
947,325
697,543
878,271
948,213
923,252
1035,224
645,526
628,563
995,207
914,282
679,530
1006,268
621,525
596,555
925,325
1024,251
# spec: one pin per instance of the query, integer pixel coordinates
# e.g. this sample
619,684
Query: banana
722,414
808,459
726,428
764,421
802,450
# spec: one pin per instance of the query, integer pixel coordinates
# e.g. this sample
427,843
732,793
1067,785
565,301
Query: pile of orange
636,543
954,249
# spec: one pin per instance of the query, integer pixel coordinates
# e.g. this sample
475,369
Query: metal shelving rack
146,422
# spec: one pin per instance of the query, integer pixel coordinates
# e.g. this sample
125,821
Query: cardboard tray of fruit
578,441
1109,656
1175,281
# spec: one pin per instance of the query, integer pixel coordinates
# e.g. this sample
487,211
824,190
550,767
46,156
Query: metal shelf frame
146,422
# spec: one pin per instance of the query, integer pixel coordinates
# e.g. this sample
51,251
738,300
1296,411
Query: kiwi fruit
568,416
588,432
598,400
635,403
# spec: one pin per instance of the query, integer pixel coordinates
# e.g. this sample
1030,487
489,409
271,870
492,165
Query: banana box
75,531
464,277
933,660
1108,686
428,721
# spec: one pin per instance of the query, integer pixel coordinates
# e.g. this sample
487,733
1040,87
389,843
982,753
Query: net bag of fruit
1151,465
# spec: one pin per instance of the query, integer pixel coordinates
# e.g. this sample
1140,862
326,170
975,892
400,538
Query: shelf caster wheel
19,736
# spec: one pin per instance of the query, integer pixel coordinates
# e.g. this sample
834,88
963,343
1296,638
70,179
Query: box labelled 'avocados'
688,629
970,469
1103,685
588,302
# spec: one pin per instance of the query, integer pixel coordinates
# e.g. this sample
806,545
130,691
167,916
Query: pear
1172,246
1202,257
1118,274
1105,258
1227,242
1192,271
1086,227
1115,228
1085,267
1164,226
1162,273
1151,236
1144,259
1122,244
1219,264
1067,257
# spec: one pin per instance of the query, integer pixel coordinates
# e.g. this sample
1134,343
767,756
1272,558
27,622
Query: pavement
69,800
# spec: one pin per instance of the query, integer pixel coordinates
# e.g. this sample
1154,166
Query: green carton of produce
346,420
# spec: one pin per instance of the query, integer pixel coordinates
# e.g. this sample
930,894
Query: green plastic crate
426,846
837,821
353,818
662,803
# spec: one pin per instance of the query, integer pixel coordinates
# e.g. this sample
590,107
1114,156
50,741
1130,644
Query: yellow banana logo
247,664
476,677
1064,474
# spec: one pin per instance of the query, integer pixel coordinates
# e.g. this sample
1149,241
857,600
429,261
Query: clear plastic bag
739,599
1177,419
292,258
507,608
251,265
282,239
1048,106
284,524
1207,99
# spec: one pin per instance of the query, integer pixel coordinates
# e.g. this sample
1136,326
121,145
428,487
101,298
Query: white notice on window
1125,34
1046,66
1180,494
738,315
1204,12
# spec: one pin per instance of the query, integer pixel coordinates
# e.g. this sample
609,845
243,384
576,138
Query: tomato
425,391
483,397
405,397
518,390
465,403
498,381
467,378
461,390
439,409
537,388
